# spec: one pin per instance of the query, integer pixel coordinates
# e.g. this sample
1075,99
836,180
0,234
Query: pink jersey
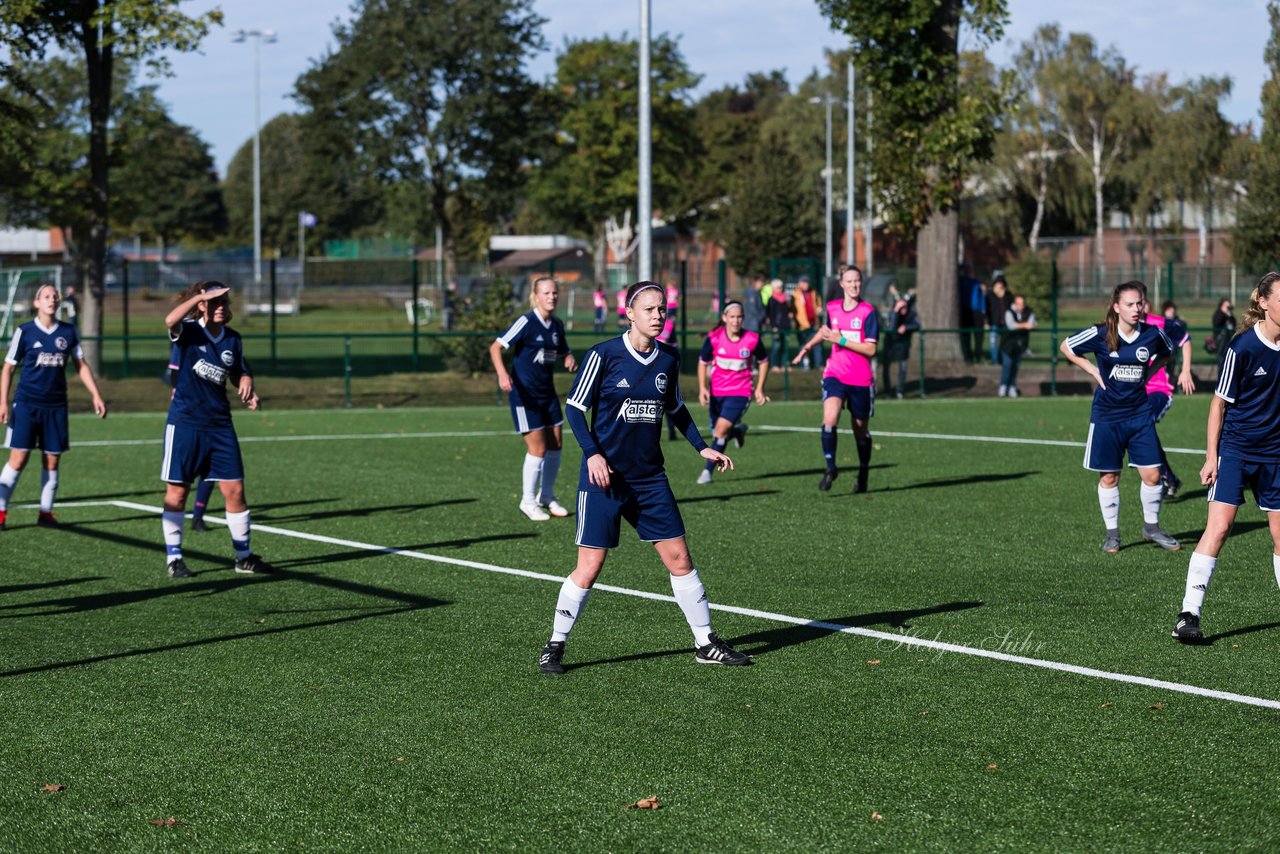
731,362
860,325
1159,383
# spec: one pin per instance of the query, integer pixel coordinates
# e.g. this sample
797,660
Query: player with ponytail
728,355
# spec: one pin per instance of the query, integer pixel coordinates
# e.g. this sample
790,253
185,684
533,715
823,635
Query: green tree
166,181
1256,235
102,32
591,173
772,215
930,128
433,94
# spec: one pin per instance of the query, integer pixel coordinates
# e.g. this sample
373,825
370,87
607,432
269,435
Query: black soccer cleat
199,524
178,569
718,652
550,660
828,478
740,435
254,565
1172,483
1187,629
861,486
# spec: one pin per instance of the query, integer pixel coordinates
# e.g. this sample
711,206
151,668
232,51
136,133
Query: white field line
897,639
346,437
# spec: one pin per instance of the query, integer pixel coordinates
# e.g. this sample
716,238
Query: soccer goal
19,286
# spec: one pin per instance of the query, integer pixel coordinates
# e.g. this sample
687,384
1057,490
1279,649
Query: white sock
48,489
569,605
1109,501
1275,565
171,522
691,596
238,525
529,478
550,468
8,482
1152,496
1199,572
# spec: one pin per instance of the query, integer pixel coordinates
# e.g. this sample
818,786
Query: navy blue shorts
731,409
861,399
534,415
1108,440
1160,404
1235,472
43,427
649,507
209,453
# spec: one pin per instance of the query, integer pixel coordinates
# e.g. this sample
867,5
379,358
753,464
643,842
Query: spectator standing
977,317
753,305
968,284
70,304
600,304
1019,320
901,323
997,304
779,312
807,317
1224,329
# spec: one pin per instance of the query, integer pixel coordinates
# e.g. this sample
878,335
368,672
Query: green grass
364,700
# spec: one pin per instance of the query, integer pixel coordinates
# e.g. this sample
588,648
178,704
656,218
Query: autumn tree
929,131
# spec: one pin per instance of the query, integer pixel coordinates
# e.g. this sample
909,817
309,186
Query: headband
642,290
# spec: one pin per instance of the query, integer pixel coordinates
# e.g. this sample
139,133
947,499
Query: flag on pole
307,220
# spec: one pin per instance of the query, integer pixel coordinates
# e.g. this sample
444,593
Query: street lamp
826,173
258,36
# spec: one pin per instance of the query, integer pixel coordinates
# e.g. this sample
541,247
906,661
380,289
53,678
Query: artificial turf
361,699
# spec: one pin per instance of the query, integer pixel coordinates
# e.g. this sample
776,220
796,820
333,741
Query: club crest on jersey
60,343
855,323
1143,354
228,358
743,352
640,411
661,382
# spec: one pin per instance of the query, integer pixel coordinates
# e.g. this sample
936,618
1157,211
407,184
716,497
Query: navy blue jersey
1176,332
205,364
1250,384
536,345
628,391
43,354
1124,371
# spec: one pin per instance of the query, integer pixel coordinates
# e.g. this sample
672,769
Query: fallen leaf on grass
924,714
165,822
1107,705
644,804
875,816
873,661
52,787
399,758
993,766
1159,707
1235,646
259,622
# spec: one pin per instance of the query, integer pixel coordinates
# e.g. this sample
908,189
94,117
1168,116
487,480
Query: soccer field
948,662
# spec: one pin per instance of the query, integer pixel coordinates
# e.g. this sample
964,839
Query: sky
723,40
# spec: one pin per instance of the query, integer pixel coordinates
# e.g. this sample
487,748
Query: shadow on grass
772,640
361,554
1243,630
360,512
1193,536
44,585
728,496
809,472
960,481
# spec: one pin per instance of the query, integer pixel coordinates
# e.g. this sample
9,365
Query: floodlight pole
870,209
258,36
829,258
849,227
644,200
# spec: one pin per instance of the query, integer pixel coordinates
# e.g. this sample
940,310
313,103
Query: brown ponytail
1263,290
1113,319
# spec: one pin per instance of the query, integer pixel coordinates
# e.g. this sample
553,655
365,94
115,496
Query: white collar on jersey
221,332
546,324
1137,330
47,329
1271,345
642,359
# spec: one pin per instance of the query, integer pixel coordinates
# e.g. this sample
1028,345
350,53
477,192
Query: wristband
843,342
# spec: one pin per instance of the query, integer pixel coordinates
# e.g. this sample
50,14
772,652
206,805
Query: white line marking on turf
481,434
902,639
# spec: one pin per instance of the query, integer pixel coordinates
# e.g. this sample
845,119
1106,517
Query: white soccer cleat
705,477
555,508
533,511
